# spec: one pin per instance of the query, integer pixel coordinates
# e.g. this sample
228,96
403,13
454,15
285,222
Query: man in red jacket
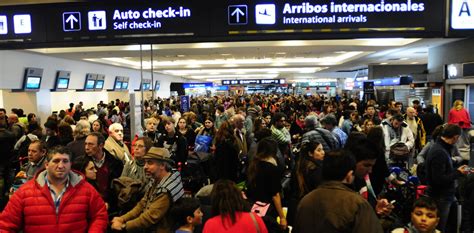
57,200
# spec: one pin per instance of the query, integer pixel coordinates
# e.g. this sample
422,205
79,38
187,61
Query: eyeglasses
140,146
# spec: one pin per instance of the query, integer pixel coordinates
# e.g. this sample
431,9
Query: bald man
416,126
114,143
15,126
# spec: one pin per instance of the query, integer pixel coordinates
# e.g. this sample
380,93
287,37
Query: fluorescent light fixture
219,77
383,63
181,55
246,70
225,54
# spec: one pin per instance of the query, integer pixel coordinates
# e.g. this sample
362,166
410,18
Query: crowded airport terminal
275,116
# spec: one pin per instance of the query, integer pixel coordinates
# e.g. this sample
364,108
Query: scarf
172,185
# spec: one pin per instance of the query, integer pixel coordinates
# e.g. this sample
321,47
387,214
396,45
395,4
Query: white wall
12,68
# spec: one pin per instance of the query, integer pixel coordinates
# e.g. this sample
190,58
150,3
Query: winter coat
322,136
31,208
119,152
440,173
389,137
459,117
334,207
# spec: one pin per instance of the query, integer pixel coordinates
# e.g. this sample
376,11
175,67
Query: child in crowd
187,215
424,217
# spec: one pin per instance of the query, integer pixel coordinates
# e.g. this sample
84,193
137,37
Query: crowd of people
270,163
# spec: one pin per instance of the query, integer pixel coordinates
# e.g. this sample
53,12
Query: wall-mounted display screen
118,85
124,85
157,85
32,82
90,84
99,84
62,83
146,86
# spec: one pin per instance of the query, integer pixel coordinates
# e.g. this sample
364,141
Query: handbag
260,208
399,150
202,143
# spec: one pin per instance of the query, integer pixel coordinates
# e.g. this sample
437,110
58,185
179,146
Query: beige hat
159,154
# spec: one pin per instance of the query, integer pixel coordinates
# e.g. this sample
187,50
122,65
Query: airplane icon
264,12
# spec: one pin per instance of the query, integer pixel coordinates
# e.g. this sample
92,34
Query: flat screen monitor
99,84
157,86
32,82
118,85
124,85
63,83
146,86
90,84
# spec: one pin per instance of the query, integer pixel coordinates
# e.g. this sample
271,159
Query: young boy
187,215
424,217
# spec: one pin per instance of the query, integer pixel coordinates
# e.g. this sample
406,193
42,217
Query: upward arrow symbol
71,19
237,12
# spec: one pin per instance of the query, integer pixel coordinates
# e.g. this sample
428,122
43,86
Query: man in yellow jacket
416,126
151,213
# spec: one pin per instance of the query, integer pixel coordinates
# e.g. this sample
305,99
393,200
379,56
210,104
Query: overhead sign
22,23
3,25
71,21
252,81
462,14
341,16
197,85
124,22
237,14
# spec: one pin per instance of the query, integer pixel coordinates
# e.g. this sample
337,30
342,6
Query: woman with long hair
226,156
307,175
380,170
184,130
264,183
98,127
208,128
230,212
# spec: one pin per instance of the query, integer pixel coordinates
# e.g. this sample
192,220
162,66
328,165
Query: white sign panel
3,25
462,14
97,20
265,14
22,24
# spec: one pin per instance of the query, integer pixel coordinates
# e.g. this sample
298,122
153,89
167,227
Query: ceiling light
278,64
383,63
414,63
280,53
230,65
193,66
247,70
181,55
404,58
225,54
228,76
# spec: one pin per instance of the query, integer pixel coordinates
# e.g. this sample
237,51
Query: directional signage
22,23
237,14
3,25
71,21
330,17
97,20
265,14
179,21
462,14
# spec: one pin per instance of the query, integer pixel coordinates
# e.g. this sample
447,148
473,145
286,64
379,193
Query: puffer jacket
31,208
323,136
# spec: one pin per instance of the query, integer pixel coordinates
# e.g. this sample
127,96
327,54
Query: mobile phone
393,202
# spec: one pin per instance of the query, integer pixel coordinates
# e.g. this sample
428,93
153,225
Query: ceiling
293,60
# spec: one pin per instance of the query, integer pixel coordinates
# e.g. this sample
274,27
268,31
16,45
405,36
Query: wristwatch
124,226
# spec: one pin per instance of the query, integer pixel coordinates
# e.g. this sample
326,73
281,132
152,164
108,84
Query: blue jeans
445,205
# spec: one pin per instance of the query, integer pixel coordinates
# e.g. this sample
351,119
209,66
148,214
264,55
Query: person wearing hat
151,213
